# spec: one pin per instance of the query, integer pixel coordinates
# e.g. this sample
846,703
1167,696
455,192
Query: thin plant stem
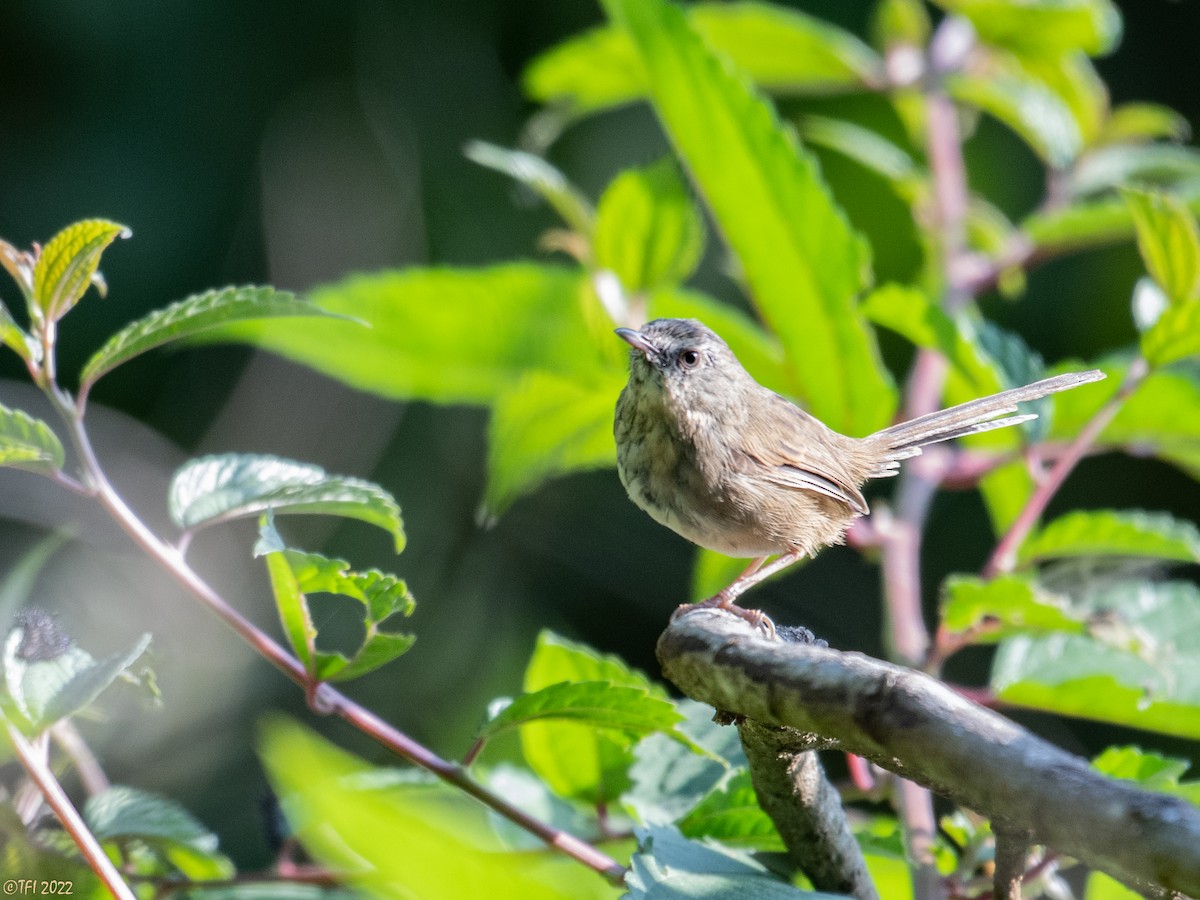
58,801
67,736
322,697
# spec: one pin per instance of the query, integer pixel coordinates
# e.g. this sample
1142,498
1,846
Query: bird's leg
751,575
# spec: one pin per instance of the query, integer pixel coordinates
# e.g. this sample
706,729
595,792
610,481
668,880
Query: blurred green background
295,142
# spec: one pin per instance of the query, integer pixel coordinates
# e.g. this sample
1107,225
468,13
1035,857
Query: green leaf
900,22
1149,770
600,704
989,611
546,425
781,49
191,317
802,261
868,148
1114,533
668,866
1026,105
540,176
575,760
215,489
1169,241
1149,679
731,814
1166,166
1103,887
1138,123
449,850
1091,223
28,443
1174,336
648,231
122,814
1043,27
46,688
446,335
12,336
296,574
68,265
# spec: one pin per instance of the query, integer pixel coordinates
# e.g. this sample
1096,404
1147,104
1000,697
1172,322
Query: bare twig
917,727
1012,847
56,798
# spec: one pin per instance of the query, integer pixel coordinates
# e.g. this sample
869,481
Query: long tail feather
907,438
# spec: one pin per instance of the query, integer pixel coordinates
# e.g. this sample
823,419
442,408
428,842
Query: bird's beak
638,341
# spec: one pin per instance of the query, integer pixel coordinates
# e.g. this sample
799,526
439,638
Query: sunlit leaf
540,176
1169,241
446,335
781,49
600,704
1109,532
730,813
448,849
993,610
868,148
28,443
1139,123
68,265
801,259
900,22
1174,336
1150,680
215,489
1043,27
648,230
191,317
13,337
1090,223
544,426
1166,166
1150,770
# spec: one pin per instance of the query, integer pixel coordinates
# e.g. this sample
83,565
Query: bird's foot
724,600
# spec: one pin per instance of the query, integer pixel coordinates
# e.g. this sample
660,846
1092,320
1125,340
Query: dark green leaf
68,265
1137,123
546,425
28,443
1043,27
191,317
1114,533
215,489
1169,242
668,866
648,231
449,850
731,814
543,178
1139,668
803,262
779,48
600,704
993,610
446,335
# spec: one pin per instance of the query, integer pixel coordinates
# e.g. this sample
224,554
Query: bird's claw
721,600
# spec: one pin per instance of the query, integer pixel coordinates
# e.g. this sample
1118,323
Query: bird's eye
689,358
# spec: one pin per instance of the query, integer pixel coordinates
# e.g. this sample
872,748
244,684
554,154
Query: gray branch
917,727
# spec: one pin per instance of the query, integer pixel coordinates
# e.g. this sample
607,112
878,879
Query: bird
734,467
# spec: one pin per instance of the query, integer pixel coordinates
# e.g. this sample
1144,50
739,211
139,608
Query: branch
920,729
806,809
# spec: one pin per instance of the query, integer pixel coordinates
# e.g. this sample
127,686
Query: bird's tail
906,439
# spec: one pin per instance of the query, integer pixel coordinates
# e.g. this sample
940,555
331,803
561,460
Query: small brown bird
732,466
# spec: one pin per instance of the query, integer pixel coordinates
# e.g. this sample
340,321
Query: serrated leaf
801,259
87,684
669,866
1043,27
1174,336
445,335
67,265
1114,533
781,49
355,828
215,489
1150,679
731,814
126,812
600,704
28,443
1139,123
1169,241
648,231
993,610
544,426
191,317
541,177
577,761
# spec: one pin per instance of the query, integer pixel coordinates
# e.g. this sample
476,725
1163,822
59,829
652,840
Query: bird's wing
798,451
